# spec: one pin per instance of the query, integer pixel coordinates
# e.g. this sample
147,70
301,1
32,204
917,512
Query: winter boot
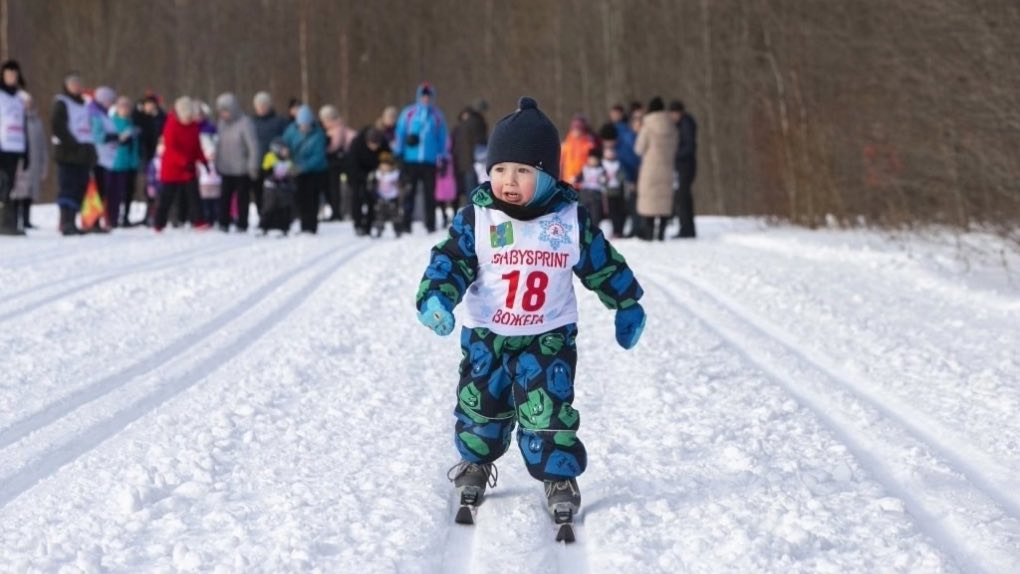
9,219
26,214
8,208
564,498
470,480
67,226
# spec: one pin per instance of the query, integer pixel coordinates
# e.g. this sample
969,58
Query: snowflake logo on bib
555,232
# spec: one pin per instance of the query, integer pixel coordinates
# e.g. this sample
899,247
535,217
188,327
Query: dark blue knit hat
526,136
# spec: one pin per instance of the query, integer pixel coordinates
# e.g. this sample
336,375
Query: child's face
513,183
610,153
385,167
593,161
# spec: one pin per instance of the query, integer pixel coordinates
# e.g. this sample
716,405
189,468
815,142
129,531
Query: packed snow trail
800,402
983,535
70,443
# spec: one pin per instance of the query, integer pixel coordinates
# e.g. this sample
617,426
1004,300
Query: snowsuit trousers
526,381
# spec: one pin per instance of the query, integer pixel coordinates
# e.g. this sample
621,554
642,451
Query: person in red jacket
182,152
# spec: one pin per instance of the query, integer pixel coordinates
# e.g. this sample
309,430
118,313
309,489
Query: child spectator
209,180
590,183
153,186
387,190
616,205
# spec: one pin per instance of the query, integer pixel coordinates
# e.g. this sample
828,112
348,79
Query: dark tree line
897,112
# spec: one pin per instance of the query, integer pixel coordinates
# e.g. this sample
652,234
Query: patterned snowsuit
506,380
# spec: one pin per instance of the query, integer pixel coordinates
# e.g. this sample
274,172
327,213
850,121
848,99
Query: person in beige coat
656,144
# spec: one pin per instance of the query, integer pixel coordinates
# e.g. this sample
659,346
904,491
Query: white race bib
78,121
525,283
12,123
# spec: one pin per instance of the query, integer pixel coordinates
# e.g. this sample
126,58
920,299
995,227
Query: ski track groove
928,521
128,267
573,558
459,544
56,456
64,405
889,408
29,259
104,276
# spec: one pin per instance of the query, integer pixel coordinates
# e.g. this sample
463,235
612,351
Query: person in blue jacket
421,145
307,144
511,256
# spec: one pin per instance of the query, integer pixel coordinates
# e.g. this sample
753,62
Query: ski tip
566,534
464,516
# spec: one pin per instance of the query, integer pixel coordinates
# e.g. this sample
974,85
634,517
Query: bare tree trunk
585,101
784,115
711,136
303,48
806,168
3,30
558,60
345,70
488,32
607,50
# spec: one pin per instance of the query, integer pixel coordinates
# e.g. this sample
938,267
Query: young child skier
511,255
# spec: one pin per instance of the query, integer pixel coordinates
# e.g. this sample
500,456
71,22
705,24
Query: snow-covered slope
800,402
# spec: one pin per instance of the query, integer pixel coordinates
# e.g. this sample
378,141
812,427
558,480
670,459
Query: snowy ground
800,402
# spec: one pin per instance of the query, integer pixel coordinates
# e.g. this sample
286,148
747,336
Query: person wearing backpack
421,145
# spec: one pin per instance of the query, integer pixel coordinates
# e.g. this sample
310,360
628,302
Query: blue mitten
436,314
630,322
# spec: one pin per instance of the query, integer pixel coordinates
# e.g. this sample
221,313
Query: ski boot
470,480
564,499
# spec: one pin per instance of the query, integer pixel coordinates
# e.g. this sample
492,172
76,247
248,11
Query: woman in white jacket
28,184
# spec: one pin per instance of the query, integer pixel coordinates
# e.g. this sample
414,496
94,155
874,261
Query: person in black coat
686,167
362,159
74,151
471,131
150,118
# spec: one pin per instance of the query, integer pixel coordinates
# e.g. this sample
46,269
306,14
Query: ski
470,498
563,518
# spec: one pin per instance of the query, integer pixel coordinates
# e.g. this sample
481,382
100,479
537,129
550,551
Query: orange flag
92,206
